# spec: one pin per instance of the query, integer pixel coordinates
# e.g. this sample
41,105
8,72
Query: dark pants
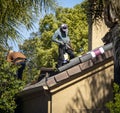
117,73
117,67
20,69
62,50
116,54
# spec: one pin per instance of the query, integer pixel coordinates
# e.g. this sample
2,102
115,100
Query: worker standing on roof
62,39
19,59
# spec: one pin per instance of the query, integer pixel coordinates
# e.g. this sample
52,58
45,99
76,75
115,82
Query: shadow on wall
94,98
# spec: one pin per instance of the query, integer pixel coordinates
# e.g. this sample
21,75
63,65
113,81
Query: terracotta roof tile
51,81
98,59
74,70
86,65
108,53
61,76
76,66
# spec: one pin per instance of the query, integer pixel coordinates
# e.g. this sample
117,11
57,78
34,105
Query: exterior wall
86,93
98,32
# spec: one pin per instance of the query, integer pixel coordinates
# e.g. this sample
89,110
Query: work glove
62,43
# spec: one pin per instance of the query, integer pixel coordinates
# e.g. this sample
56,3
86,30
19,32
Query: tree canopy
40,49
14,13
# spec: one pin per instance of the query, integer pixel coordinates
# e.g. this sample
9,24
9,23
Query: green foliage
13,15
20,13
96,9
38,56
114,105
76,18
42,52
77,24
9,85
29,48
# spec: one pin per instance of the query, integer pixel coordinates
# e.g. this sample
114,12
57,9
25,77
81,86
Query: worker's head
64,27
10,51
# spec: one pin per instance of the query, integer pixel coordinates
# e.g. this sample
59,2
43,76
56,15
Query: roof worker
62,39
19,59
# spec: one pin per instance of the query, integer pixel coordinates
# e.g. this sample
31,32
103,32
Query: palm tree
14,13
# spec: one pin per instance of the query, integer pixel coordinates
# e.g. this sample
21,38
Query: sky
69,3
63,3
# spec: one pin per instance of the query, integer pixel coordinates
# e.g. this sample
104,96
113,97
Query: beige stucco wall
99,29
79,94
90,91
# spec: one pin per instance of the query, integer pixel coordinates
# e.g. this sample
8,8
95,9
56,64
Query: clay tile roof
79,65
